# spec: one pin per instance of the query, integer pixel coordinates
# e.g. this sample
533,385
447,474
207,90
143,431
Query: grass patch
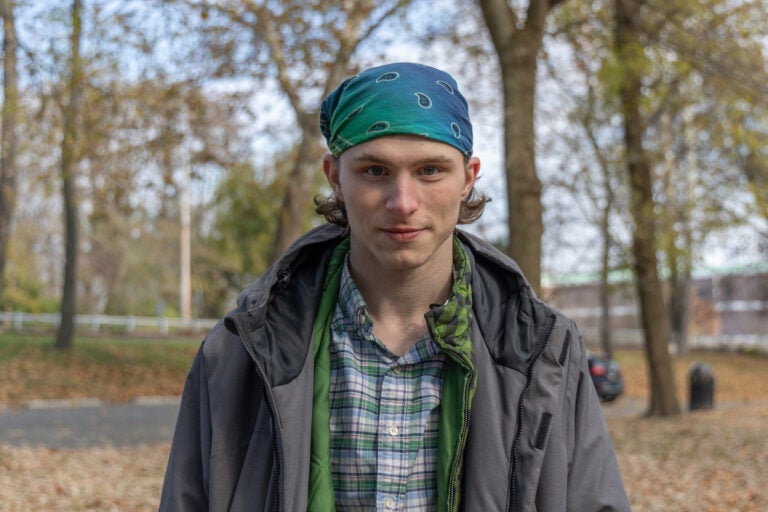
119,368
112,369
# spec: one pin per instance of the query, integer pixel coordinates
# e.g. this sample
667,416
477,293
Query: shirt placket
392,452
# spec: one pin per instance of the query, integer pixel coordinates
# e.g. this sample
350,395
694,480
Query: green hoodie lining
320,495
450,325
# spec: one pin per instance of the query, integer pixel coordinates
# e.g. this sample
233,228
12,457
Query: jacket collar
257,293
272,308
513,322
275,314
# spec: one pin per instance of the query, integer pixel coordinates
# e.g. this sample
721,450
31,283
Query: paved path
625,406
88,423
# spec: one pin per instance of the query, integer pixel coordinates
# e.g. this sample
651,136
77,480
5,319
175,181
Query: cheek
359,195
359,203
449,200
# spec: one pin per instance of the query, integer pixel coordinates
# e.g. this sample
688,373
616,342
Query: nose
402,197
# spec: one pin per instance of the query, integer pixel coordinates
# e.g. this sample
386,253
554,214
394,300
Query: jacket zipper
271,407
463,432
541,343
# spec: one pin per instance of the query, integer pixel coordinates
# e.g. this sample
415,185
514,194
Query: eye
430,171
375,171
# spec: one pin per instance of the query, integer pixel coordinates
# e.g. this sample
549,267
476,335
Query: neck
404,296
397,300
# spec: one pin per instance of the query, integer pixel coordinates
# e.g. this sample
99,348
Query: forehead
402,149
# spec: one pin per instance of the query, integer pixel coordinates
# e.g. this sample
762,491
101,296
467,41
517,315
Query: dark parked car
606,376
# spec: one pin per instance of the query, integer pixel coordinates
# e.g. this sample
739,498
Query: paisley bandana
396,99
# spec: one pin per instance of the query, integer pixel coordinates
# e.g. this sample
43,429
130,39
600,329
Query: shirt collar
353,306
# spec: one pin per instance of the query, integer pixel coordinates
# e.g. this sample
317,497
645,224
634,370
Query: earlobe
331,170
472,171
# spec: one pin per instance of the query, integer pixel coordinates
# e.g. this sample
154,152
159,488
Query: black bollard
702,386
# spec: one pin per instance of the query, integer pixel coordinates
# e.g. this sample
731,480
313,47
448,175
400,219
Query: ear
471,171
331,170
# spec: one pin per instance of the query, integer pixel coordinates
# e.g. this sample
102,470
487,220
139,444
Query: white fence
633,338
19,321
131,324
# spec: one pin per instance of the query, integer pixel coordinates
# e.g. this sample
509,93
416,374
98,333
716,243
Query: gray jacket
537,437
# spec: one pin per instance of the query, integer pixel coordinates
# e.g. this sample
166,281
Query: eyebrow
431,159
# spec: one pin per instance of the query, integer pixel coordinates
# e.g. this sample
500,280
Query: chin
405,261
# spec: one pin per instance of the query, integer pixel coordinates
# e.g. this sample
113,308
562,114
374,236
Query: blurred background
158,155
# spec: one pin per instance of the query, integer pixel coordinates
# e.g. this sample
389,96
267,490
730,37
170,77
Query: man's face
402,195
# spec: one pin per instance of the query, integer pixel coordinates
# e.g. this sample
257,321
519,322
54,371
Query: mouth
402,234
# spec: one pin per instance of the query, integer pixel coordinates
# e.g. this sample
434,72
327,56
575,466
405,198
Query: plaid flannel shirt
384,413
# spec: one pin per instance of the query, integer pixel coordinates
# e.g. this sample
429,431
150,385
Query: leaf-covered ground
112,370
706,461
703,461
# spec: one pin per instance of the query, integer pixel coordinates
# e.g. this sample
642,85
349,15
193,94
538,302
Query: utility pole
185,249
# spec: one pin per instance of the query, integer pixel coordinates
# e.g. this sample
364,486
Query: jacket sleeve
594,478
186,479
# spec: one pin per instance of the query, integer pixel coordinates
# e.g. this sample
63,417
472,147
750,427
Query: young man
389,361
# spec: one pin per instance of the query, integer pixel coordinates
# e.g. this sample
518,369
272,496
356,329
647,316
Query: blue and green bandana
396,99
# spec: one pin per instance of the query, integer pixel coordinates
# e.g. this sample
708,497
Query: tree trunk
66,331
606,330
297,196
679,291
8,142
290,221
654,318
678,237
606,343
682,269
524,208
518,50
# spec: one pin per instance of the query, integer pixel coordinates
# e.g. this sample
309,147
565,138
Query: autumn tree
68,165
237,248
147,130
654,319
701,81
708,108
34,250
8,140
306,49
594,180
142,126
518,39
700,112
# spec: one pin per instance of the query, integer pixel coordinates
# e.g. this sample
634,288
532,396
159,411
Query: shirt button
393,430
390,503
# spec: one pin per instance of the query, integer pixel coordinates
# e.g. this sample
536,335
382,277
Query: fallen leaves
704,461
112,370
99,479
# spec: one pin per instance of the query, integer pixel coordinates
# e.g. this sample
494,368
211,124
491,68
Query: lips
402,234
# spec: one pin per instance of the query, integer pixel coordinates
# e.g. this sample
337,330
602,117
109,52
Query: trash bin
702,386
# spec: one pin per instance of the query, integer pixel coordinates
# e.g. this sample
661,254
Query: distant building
725,309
